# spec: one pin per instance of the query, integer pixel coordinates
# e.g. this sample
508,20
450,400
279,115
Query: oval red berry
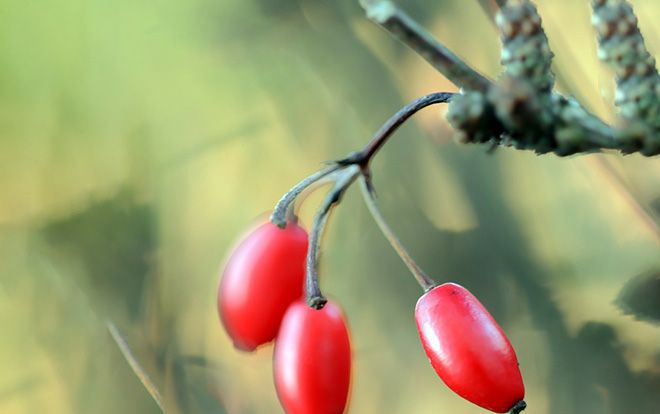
262,277
468,349
312,362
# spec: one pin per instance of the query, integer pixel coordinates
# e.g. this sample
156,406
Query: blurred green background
138,139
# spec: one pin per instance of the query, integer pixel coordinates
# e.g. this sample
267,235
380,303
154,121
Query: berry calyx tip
520,405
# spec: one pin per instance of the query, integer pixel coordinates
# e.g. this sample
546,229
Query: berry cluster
270,291
261,299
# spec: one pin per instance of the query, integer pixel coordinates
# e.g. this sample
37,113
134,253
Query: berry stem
364,156
300,198
369,196
315,298
344,172
281,210
284,208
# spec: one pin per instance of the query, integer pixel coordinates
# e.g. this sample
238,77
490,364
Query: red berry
468,349
263,276
313,360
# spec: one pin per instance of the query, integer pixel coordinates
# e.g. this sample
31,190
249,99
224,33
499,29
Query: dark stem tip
317,302
520,405
279,223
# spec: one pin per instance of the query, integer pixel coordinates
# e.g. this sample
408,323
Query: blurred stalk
135,365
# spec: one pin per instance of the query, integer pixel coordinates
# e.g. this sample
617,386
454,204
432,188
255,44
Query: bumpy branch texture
621,45
521,109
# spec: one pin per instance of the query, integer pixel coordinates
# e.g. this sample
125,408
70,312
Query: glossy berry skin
312,361
262,277
468,349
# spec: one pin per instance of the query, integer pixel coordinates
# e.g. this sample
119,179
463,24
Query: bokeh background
139,139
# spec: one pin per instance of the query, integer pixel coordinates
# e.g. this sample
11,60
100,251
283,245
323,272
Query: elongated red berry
312,362
262,277
468,349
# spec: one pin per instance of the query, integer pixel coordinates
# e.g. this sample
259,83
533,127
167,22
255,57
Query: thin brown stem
364,156
369,196
282,208
315,298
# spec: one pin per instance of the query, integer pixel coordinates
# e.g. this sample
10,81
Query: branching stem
344,173
282,208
